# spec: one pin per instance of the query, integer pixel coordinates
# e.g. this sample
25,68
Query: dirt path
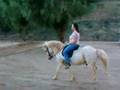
31,70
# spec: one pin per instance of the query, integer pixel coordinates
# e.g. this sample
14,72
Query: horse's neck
57,48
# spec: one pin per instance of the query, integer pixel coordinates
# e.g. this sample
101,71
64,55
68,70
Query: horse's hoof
94,79
72,79
54,78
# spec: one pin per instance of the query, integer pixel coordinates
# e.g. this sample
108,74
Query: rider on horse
73,45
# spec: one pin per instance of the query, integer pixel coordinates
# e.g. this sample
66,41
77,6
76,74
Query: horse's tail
103,57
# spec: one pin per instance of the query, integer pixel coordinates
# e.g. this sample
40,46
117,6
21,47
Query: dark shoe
85,62
67,65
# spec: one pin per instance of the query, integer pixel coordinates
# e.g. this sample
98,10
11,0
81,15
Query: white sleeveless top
75,35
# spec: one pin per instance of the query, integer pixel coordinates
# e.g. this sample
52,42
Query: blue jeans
68,51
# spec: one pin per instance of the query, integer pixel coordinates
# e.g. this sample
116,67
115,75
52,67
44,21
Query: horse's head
52,48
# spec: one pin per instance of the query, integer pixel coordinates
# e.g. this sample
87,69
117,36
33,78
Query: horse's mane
55,44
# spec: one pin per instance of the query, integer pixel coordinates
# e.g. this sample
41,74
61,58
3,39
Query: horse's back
88,49
89,53
76,55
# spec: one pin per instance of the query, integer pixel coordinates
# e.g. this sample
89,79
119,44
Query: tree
57,13
15,15
20,15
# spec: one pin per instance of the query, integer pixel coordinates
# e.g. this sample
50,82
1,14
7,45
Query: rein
49,54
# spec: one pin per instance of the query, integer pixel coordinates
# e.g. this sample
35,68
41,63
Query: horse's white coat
88,52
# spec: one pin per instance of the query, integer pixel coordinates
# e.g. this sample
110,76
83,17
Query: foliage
22,16
107,30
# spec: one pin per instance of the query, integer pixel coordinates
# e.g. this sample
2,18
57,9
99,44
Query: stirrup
85,62
67,65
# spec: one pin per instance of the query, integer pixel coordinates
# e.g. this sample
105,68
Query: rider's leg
74,46
66,54
68,51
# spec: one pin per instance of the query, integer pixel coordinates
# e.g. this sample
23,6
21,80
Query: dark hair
76,27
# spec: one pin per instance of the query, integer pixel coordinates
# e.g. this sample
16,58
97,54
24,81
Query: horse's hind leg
94,68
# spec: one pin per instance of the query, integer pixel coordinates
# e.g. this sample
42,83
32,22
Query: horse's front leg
57,71
72,77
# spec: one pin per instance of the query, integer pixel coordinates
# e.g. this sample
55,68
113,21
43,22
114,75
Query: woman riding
73,45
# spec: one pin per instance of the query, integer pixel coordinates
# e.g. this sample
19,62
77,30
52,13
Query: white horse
84,55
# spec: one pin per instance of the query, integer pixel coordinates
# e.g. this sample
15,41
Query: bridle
50,53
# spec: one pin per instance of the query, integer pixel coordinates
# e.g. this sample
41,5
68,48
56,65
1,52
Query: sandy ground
31,70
